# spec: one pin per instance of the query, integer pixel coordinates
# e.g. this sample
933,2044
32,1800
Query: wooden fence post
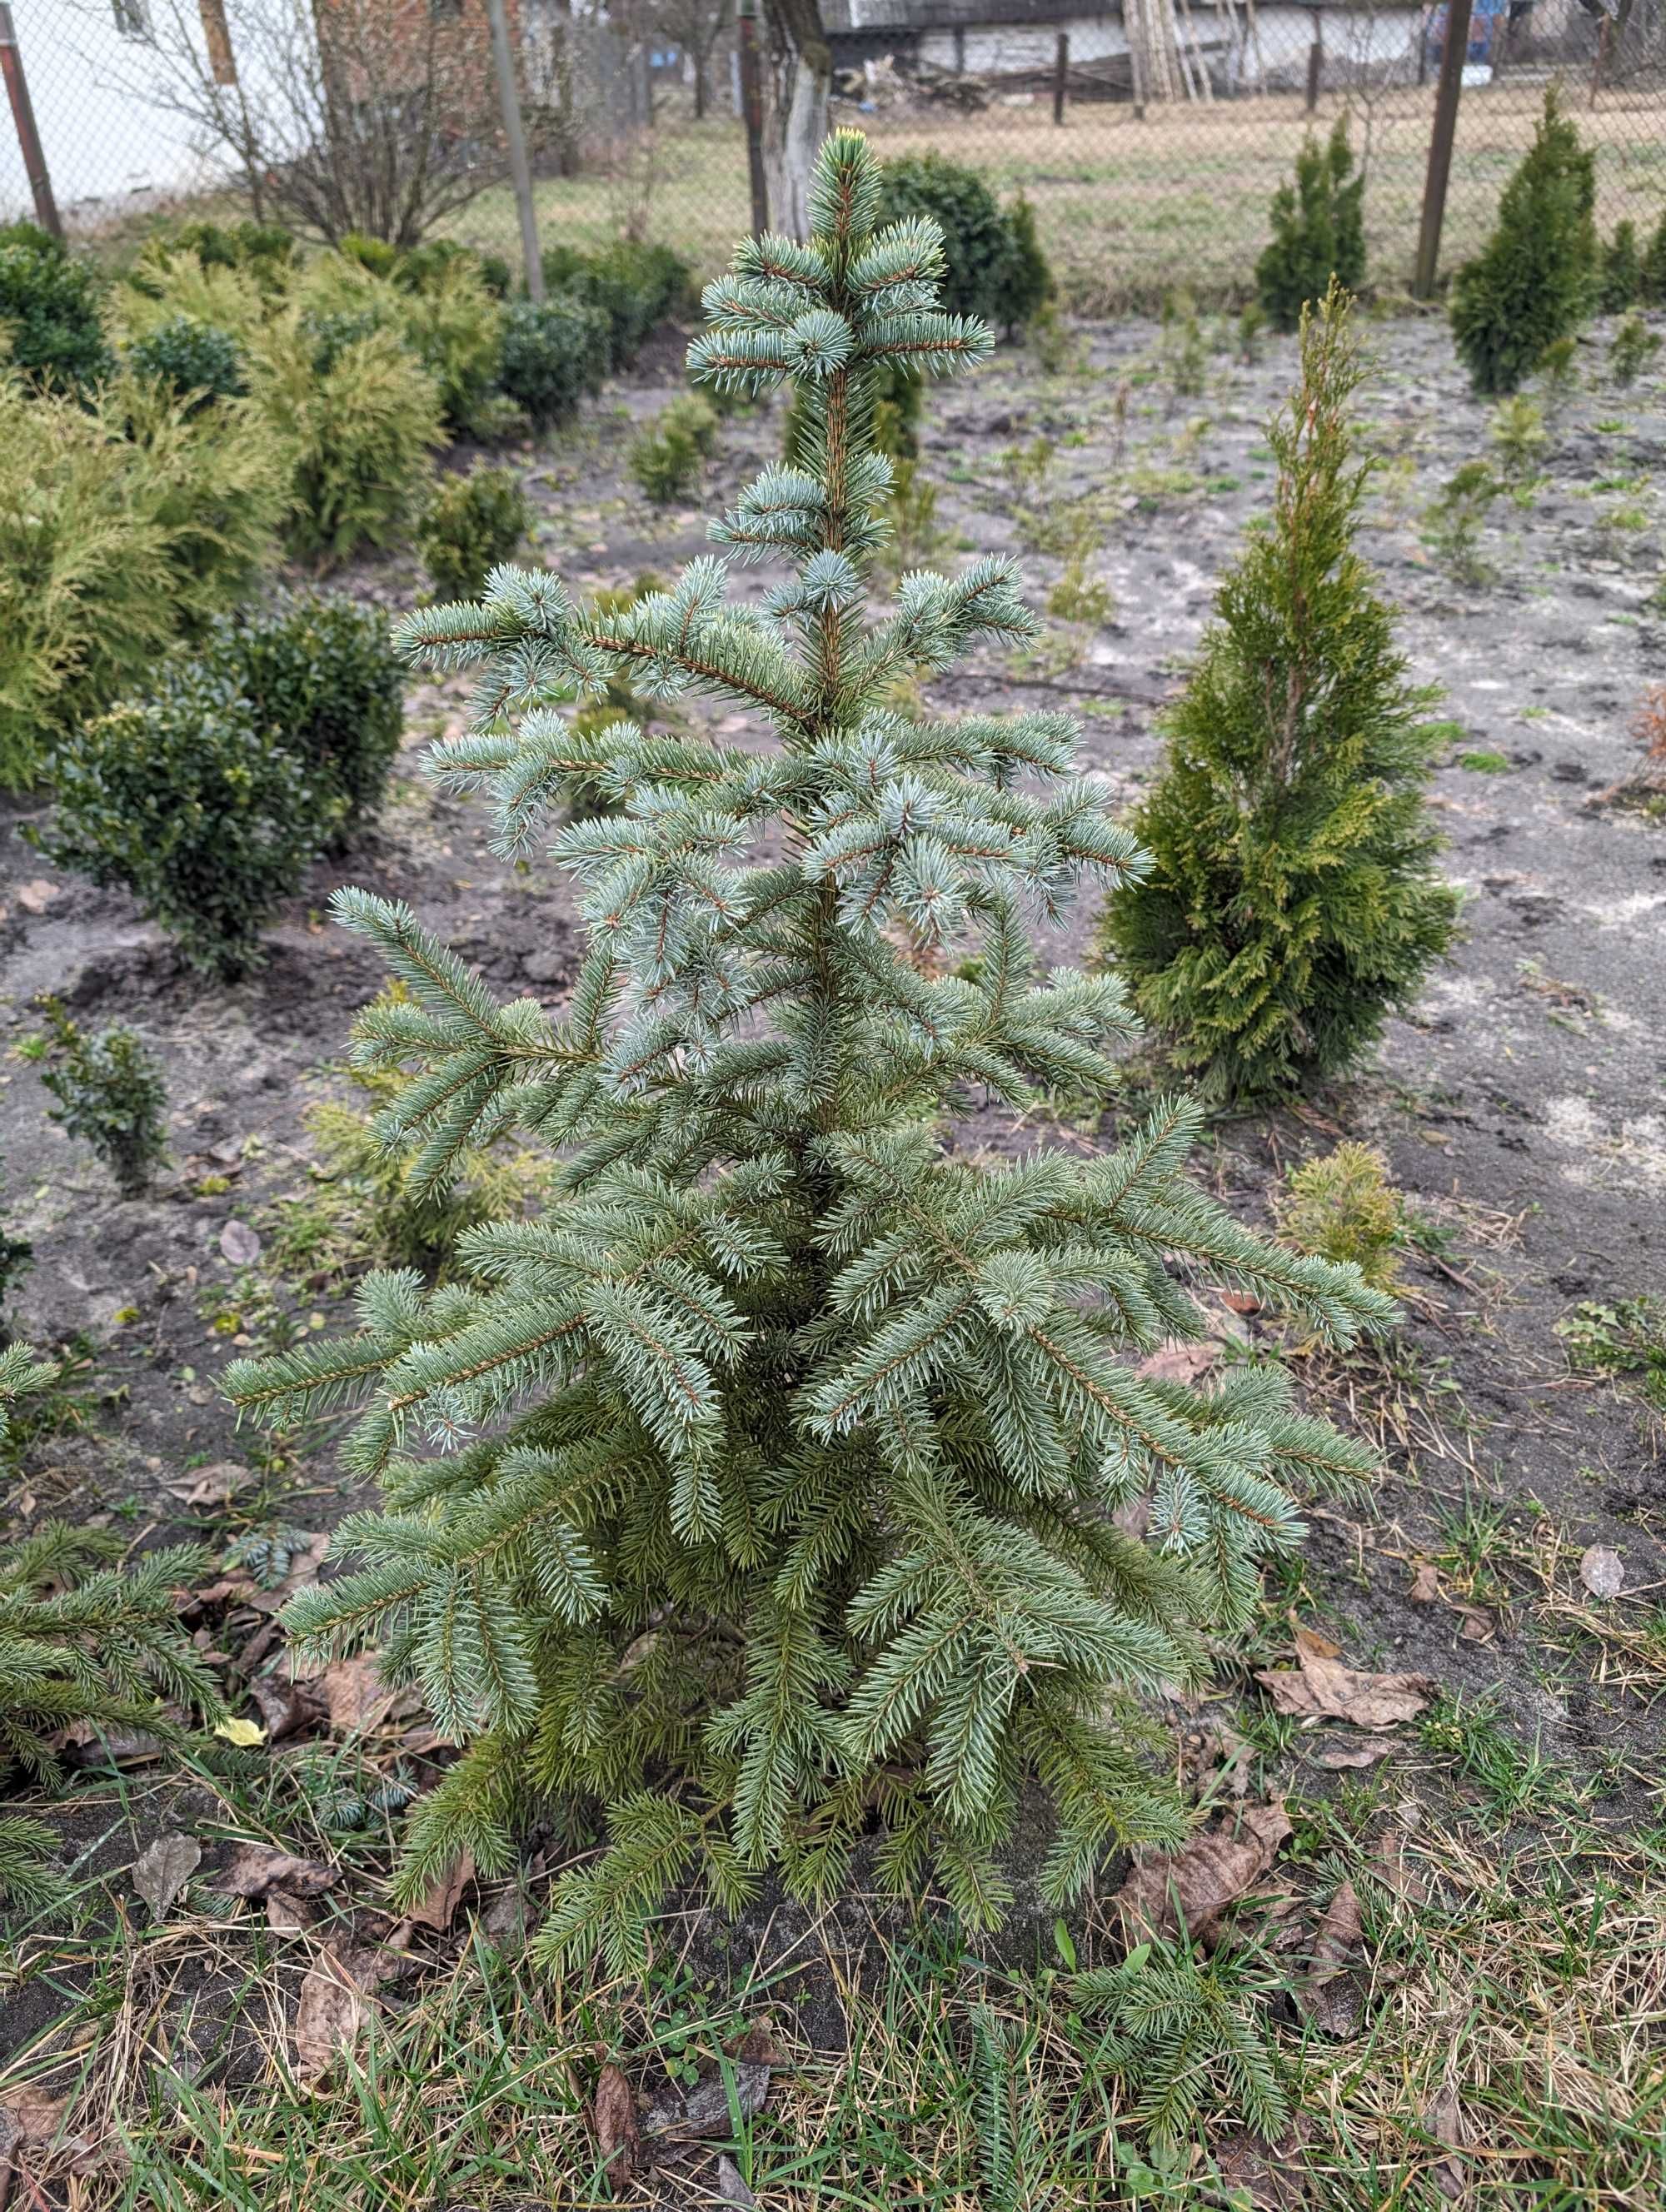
520,174
28,139
1061,75
1441,139
752,101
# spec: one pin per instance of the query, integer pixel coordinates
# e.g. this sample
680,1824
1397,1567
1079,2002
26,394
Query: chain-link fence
1148,135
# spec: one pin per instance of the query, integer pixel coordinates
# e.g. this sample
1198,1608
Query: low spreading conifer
764,1491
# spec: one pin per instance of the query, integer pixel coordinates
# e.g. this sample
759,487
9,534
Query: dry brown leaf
1478,1626
1179,1362
1196,1883
354,1693
1269,2171
162,1871
1239,1302
210,1485
336,1999
256,1868
731,2183
613,2116
1602,1571
1444,2120
240,1243
287,1914
1321,1688
1332,1997
437,1908
1338,1757
1425,1584
284,1705
37,895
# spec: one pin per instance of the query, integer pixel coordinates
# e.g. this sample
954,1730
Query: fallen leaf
1478,1626
1321,1688
287,1914
354,1693
1239,1302
284,1705
730,2186
256,1868
706,2108
245,1734
1444,2120
36,2117
1332,1997
162,1871
1177,1362
1268,2172
1425,1584
1601,1571
436,1910
613,2117
336,1999
1199,1882
210,1485
37,895
1339,1756
240,1244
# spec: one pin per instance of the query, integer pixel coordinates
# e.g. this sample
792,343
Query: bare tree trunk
798,78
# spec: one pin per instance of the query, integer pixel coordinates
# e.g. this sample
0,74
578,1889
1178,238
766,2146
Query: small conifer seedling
1291,899
760,1491
1535,280
110,1093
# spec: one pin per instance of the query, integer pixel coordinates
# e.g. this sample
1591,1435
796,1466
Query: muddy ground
1520,1106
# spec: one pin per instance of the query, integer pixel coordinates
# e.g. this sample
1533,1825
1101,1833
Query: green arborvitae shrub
1635,345
760,1490
49,313
636,287
419,268
552,356
123,526
1533,283
190,360
1652,277
1292,900
1342,1205
83,1639
471,525
358,417
263,250
993,267
666,458
110,1094
1319,231
1621,280
188,802
454,325
323,681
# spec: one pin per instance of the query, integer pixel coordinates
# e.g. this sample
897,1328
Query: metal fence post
1441,137
28,139
520,175
752,100
1061,75
1315,63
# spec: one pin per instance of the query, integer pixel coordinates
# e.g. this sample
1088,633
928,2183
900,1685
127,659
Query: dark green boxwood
110,1094
472,523
322,680
190,356
994,266
188,802
553,355
665,457
636,287
1534,281
1319,231
49,312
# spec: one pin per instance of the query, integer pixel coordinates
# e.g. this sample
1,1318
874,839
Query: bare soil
1519,1105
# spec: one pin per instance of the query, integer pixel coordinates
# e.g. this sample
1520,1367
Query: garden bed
1519,1109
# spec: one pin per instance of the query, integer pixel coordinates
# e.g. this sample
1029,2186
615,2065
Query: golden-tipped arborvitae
762,1491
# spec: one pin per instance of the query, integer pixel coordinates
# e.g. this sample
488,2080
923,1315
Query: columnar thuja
762,1491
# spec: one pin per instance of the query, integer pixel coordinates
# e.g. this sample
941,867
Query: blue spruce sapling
761,1491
